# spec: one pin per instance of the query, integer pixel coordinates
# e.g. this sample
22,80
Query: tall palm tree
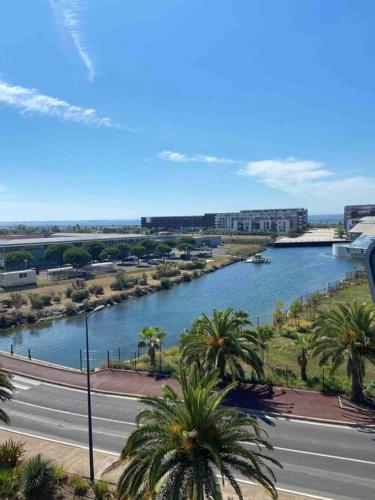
6,393
223,341
184,443
151,337
346,334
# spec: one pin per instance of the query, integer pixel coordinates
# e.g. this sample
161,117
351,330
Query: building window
22,275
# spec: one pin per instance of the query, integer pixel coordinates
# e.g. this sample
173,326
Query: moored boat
258,259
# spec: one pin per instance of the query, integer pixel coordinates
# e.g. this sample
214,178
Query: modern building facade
354,213
180,222
280,221
361,235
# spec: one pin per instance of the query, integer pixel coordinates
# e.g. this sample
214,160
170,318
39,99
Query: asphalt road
325,460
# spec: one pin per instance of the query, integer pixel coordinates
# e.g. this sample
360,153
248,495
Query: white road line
58,441
290,450
25,380
98,450
293,492
20,386
72,413
324,455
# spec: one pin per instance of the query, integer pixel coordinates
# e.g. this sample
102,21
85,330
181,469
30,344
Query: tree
124,251
149,246
278,315
223,342
340,231
184,442
185,247
94,248
346,334
303,342
265,334
295,310
152,338
77,257
138,251
110,253
18,259
6,393
55,253
163,249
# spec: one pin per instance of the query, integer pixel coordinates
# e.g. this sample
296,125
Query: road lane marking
28,381
316,454
72,413
291,450
58,441
98,450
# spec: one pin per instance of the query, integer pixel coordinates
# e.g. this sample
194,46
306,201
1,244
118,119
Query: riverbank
280,355
59,304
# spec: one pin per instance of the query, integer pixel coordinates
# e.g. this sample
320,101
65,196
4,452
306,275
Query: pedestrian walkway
290,403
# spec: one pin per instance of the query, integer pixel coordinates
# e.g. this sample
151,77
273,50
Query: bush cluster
190,265
166,271
79,295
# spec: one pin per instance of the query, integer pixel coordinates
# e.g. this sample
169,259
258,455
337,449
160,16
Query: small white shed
60,273
101,267
18,278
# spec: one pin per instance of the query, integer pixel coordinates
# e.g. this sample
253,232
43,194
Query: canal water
254,288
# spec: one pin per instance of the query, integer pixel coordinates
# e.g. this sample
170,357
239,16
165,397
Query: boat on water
258,259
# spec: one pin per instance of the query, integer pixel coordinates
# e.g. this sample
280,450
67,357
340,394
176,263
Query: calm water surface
253,288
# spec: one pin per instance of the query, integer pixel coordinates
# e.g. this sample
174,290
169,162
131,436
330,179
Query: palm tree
6,393
303,343
223,341
183,443
346,333
152,338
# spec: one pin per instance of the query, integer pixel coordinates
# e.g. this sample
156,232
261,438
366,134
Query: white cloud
68,16
196,158
30,101
287,175
312,183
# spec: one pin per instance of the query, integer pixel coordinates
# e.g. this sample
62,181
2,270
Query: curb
287,416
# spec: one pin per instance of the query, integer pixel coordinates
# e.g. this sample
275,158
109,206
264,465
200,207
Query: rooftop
69,238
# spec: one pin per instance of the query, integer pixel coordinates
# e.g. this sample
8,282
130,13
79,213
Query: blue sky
117,109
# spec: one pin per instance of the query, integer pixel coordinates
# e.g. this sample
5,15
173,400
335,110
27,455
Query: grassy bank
243,246
50,300
281,355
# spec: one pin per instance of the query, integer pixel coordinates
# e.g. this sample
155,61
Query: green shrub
79,295
165,283
79,485
70,309
59,474
37,475
68,292
166,270
121,281
35,301
142,281
9,484
96,290
138,291
193,264
11,453
102,490
46,299
30,317
86,305
186,277
57,299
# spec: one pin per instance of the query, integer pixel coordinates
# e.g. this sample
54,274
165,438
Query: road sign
370,268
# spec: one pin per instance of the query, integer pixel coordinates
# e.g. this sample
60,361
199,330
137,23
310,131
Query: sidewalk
74,459
293,403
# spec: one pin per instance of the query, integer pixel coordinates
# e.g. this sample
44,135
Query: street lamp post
89,413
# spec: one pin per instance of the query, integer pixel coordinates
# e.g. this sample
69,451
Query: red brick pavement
292,403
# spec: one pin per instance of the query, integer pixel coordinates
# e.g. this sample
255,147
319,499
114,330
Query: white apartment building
280,220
